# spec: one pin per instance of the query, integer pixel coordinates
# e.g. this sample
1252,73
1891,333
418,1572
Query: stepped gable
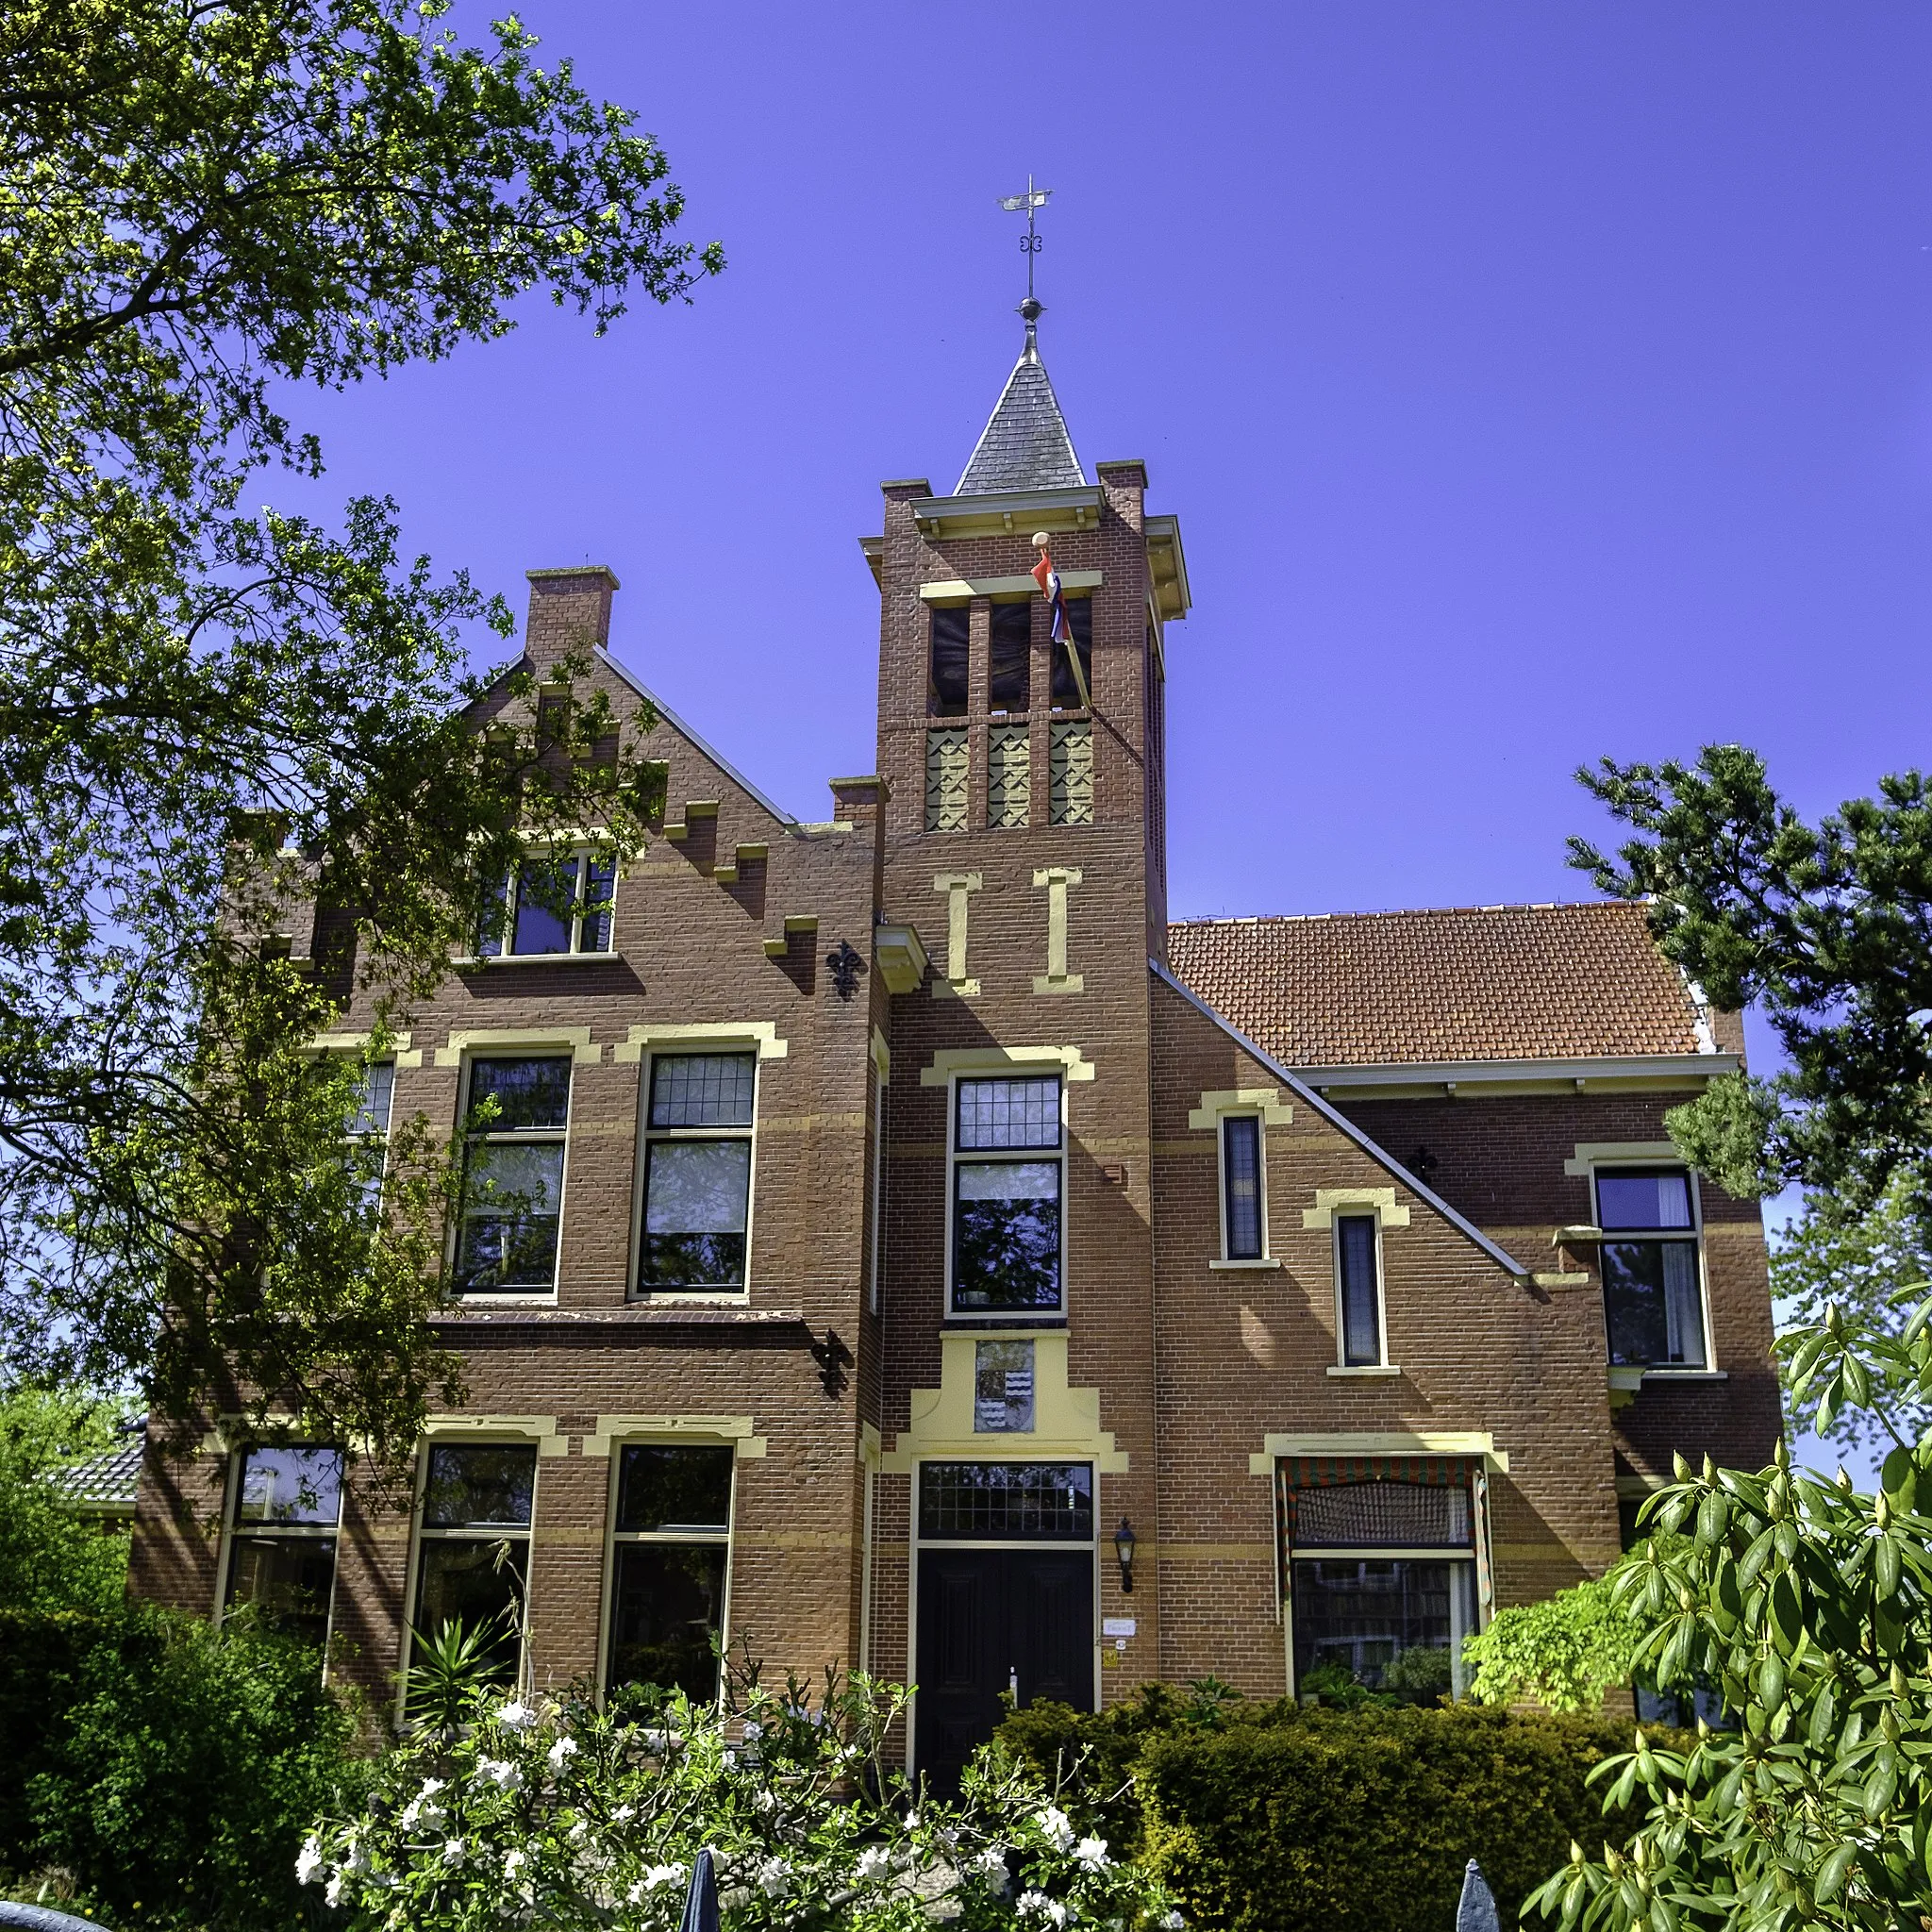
1461,983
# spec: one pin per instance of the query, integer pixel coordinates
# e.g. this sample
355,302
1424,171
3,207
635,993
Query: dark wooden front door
985,1619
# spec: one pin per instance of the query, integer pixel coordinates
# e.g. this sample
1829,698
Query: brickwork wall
1246,1352
1501,1163
688,950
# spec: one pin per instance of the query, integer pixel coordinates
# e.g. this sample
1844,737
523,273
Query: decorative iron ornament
846,966
1031,202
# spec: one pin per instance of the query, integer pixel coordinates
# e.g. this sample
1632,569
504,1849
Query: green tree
205,212
1826,928
1810,1605
52,1560
1564,1653
1866,1266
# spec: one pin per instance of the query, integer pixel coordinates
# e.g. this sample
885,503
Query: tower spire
1025,444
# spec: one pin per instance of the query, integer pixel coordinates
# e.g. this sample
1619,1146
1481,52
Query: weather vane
1032,201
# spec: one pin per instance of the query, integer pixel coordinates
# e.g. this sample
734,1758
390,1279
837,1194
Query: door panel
1050,1595
985,1617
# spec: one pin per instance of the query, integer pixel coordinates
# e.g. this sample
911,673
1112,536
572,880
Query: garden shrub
1273,1817
167,1771
564,1815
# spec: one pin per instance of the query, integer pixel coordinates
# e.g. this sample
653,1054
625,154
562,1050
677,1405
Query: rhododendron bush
560,1815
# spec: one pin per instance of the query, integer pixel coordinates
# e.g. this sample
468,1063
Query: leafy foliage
1276,1817
207,714
1824,928
565,1815
161,1774
1564,1653
1810,1606
50,1559
1864,1265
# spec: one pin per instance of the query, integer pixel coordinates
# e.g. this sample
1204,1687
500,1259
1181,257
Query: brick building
902,1214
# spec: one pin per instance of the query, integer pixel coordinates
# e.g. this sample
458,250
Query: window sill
1005,1318
690,1298
1384,1369
472,962
1259,1262
1669,1374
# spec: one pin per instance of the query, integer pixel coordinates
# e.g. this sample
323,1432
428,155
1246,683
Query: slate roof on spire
1025,444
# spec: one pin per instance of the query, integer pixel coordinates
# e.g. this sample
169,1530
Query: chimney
570,612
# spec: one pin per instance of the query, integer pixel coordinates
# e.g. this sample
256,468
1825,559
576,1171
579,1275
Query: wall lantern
1123,1549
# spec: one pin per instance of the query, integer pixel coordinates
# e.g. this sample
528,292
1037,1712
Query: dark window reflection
671,1487
667,1604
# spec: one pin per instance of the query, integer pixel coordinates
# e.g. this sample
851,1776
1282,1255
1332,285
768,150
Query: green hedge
1276,1818
169,1770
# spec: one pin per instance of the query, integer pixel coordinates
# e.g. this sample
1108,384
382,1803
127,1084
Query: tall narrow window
667,1592
368,1128
474,1562
1010,663
946,684
697,1171
1066,692
1359,1278
1008,777
1070,775
878,1182
282,1548
1006,1194
554,902
513,1176
1241,1182
945,781
1653,1299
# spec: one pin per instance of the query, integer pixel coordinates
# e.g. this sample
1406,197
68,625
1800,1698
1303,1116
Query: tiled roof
1025,444
103,1485
1466,983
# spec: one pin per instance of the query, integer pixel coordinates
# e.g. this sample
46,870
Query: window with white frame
517,1115
1382,1583
1652,1281
696,1213
1007,1167
671,1548
1358,1290
553,903
369,1126
1244,1229
473,1559
288,1509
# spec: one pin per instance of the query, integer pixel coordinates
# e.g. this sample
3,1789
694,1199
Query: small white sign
1116,1626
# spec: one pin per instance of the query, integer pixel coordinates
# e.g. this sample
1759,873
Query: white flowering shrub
562,1816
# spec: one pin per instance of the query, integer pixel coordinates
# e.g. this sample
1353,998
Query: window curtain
1294,1474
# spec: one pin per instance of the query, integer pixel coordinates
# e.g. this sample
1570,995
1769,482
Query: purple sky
1532,382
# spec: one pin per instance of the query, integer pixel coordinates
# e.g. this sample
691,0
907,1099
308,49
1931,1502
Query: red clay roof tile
1463,983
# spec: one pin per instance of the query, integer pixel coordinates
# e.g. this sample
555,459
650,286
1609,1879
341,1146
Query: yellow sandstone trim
1066,1422
764,1033
736,1429
470,1038
1056,879
1329,1201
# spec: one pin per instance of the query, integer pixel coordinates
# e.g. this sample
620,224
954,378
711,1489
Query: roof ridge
1400,912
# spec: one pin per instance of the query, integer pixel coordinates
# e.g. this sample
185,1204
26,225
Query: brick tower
1024,838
